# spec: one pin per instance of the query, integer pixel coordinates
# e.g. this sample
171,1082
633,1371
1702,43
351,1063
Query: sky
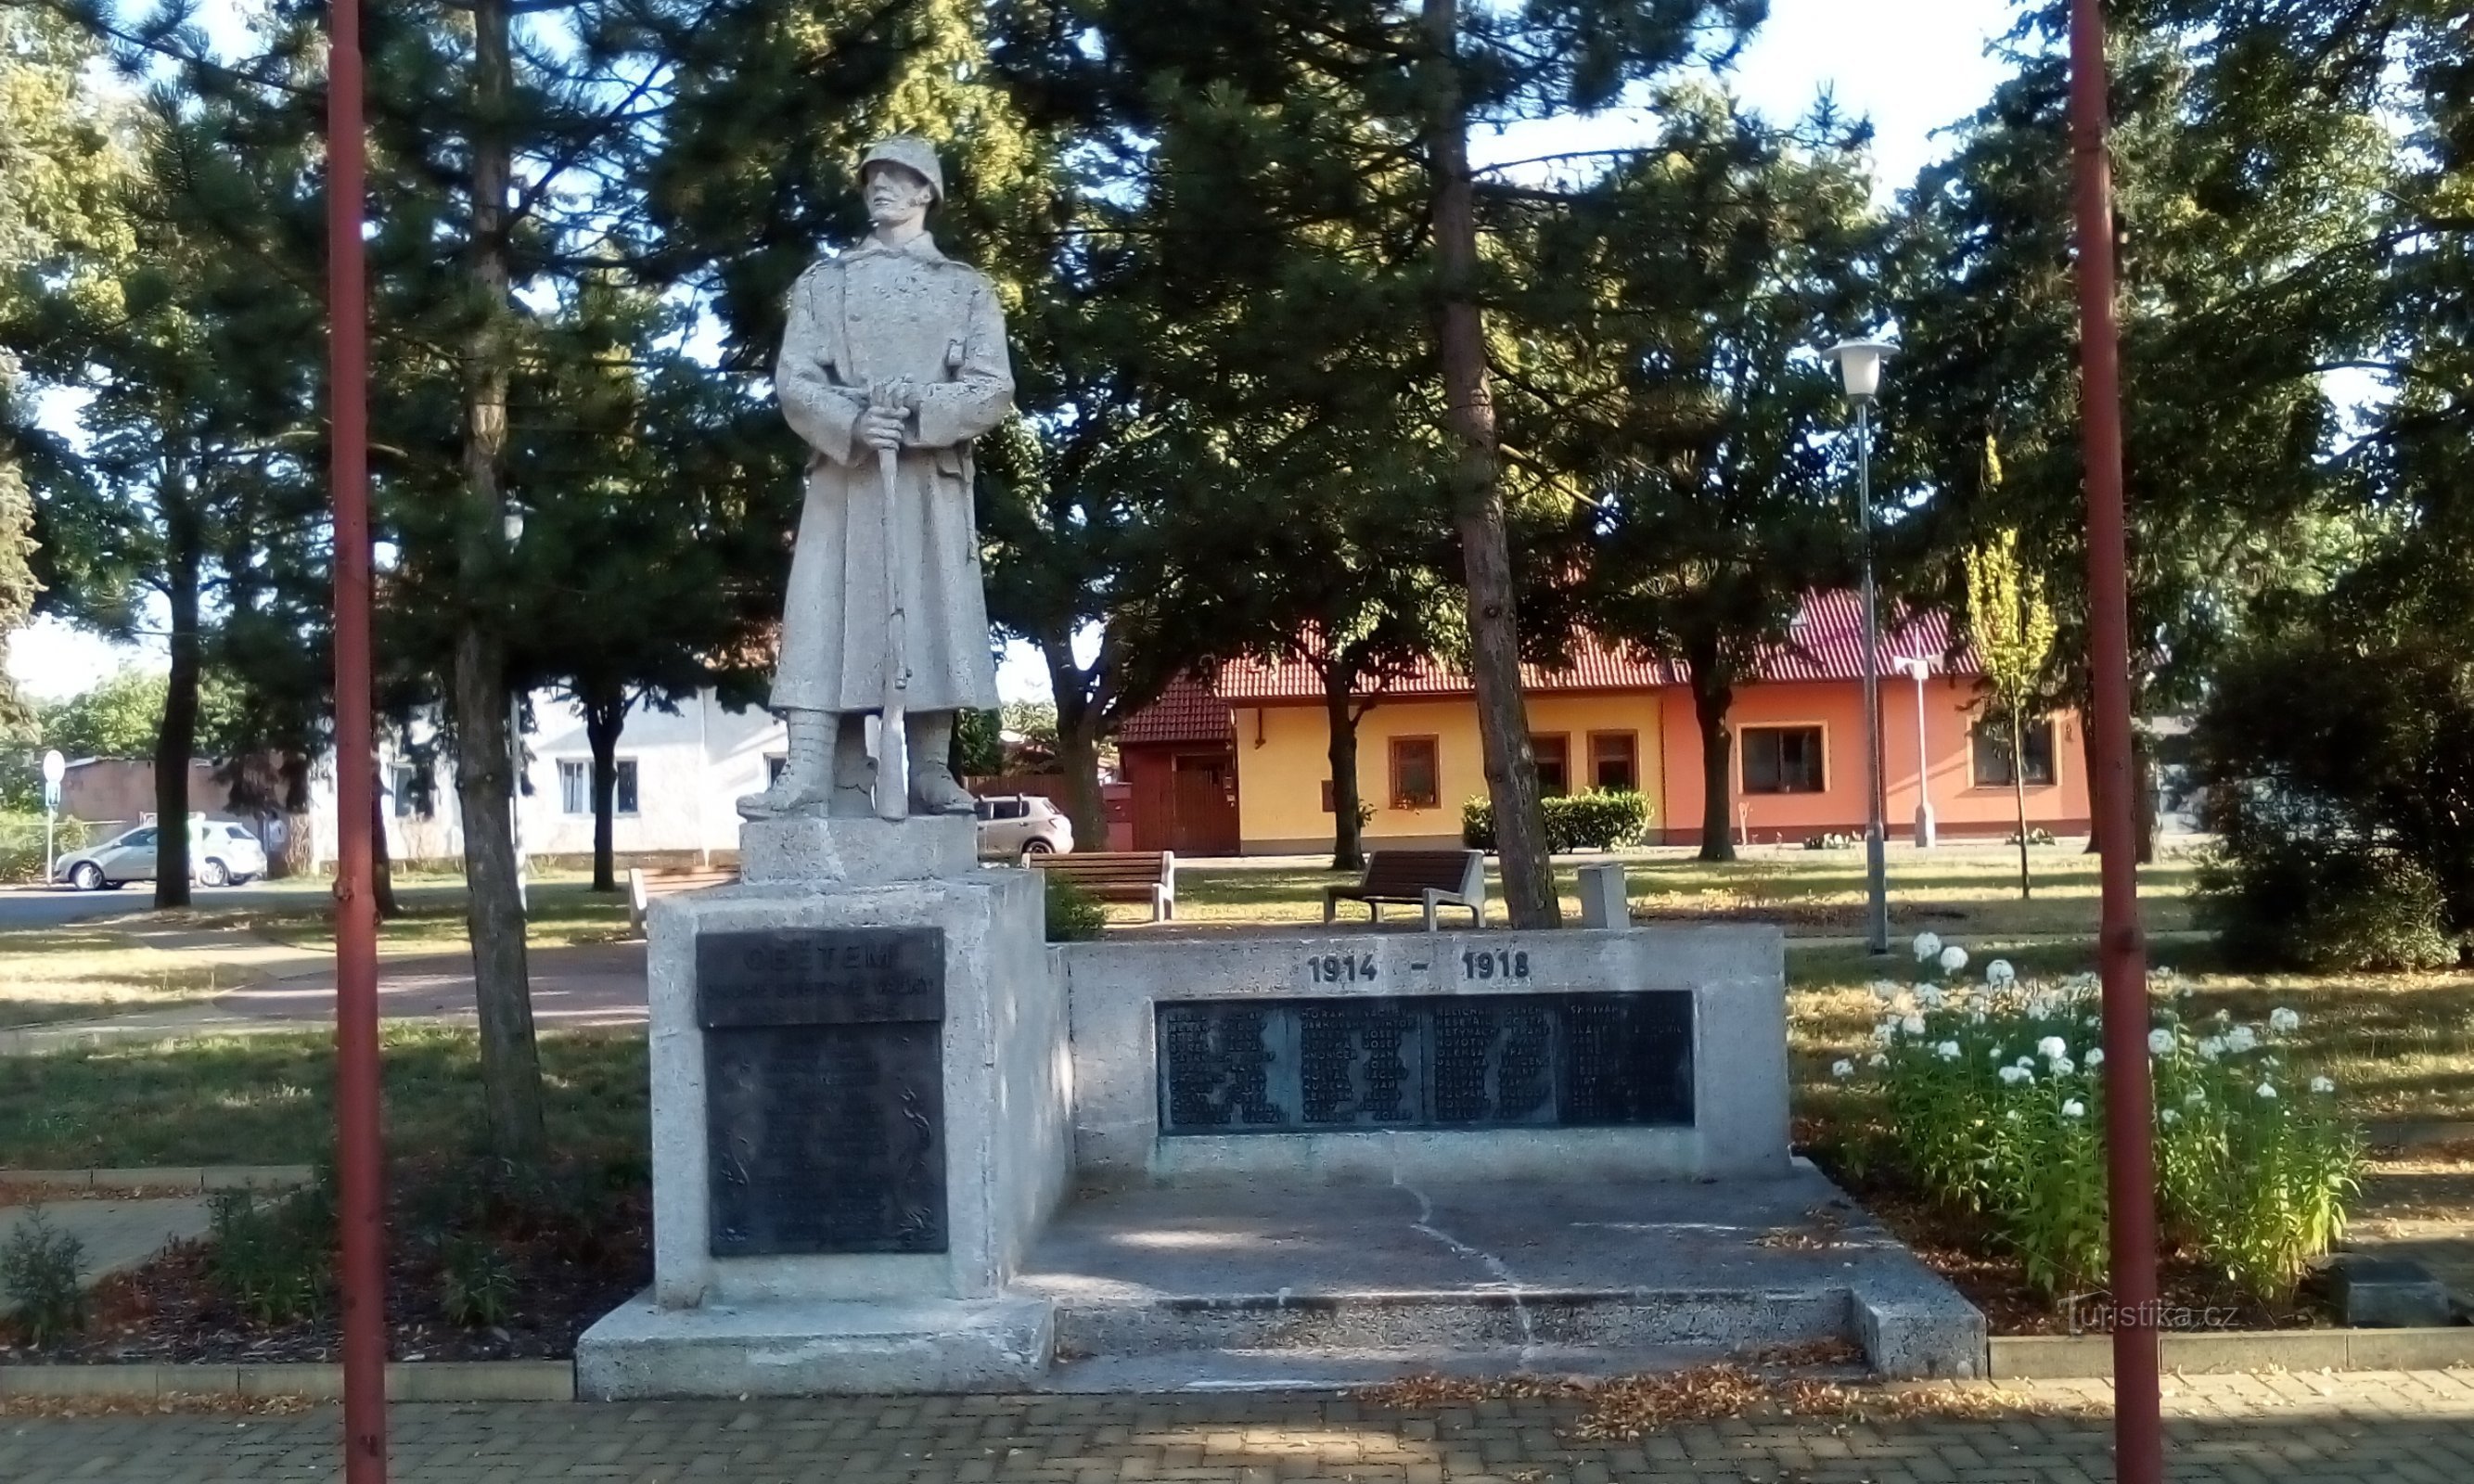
1911,66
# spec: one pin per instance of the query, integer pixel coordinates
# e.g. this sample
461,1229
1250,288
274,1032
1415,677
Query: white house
679,775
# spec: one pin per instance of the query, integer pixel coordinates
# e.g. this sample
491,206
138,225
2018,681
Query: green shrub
1600,819
2331,909
475,1282
268,1255
1074,915
21,843
1994,1102
40,1272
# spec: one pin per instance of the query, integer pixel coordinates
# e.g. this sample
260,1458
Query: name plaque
824,1089
1425,1062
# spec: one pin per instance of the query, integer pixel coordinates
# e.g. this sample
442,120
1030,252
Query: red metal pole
2122,954
358,1151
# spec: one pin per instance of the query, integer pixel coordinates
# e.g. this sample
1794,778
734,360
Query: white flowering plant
1993,1097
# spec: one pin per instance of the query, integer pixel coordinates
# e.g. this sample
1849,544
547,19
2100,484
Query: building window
1782,759
1416,781
1554,764
1614,761
575,787
1990,751
403,787
775,764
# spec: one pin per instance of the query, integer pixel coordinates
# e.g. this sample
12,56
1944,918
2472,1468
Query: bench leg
1161,912
1429,895
1330,908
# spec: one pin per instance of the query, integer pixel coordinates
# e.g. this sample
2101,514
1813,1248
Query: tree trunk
294,858
2018,790
605,717
2142,773
1347,845
382,865
1712,700
1486,549
1079,714
511,1090
177,739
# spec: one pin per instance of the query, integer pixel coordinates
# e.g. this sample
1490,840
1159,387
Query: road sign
55,767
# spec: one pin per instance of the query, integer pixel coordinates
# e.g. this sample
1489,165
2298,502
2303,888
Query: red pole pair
2121,953
361,1198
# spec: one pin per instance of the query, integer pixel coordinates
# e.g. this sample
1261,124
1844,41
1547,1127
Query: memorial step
1326,1369
1247,1281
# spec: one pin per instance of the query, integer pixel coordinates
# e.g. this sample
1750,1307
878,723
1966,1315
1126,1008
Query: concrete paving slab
116,1235
1512,1270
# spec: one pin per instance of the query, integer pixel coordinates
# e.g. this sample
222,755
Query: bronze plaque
824,1089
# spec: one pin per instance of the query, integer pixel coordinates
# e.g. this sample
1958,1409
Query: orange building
1604,720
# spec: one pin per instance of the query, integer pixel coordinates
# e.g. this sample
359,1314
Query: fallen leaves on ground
1627,1407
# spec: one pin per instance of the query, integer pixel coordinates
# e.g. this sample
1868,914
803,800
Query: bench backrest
1409,872
1111,865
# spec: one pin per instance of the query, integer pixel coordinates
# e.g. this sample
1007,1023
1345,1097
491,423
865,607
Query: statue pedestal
860,1122
827,854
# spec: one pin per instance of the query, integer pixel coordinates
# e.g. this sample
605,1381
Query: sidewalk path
115,1234
589,984
2412,1429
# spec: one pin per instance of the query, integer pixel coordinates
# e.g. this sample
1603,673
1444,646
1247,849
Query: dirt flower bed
480,1266
1966,1251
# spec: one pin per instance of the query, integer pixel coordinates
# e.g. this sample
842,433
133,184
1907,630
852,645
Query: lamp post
1859,373
1926,835
511,521
2122,947
360,1189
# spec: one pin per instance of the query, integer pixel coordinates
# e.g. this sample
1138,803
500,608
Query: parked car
221,853
1017,825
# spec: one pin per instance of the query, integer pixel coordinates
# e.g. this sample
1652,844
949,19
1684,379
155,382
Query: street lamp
511,521
1859,373
1920,667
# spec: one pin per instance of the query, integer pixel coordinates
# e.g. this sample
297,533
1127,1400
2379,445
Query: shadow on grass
269,1099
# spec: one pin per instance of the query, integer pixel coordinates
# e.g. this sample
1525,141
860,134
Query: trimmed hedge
1595,820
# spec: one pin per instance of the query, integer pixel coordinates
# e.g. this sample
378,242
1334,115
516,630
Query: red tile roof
1825,643
1186,711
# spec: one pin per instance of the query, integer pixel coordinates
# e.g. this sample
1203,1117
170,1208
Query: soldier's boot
854,771
806,778
934,788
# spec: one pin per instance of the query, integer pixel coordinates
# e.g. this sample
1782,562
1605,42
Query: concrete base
2376,1293
820,852
1329,1285
642,1349
1291,1286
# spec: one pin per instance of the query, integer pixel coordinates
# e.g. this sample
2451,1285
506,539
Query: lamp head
1859,366
511,521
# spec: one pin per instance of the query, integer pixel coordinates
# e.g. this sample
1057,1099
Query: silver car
1015,825
221,853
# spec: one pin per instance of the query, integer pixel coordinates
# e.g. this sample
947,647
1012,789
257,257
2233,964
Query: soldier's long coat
871,315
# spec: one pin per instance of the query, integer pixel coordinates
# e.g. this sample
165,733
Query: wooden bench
1421,878
644,886
1119,876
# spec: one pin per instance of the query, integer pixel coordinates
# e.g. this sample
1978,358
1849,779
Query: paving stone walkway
114,1235
2413,1428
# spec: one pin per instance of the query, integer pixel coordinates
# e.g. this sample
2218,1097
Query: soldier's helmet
911,153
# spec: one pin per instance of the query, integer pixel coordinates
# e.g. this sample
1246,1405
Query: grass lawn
563,909
269,1099
82,970
1970,890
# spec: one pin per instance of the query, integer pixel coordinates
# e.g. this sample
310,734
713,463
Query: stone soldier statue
890,346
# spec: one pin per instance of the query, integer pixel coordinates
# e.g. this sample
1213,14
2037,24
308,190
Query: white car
221,854
1015,825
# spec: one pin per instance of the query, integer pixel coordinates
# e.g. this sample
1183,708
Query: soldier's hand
881,428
